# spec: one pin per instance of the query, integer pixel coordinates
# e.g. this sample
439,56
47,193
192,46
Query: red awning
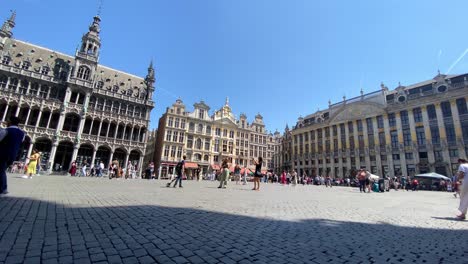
191,165
168,164
215,166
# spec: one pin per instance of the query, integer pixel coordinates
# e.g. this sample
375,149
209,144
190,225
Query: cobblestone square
57,219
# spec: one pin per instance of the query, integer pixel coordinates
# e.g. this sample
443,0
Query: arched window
205,158
6,60
100,84
83,72
24,86
45,70
129,92
115,88
137,111
200,128
44,90
197,157
198,144
191,126
3,81
26,65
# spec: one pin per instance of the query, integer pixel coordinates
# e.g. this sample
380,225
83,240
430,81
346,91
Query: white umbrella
433,175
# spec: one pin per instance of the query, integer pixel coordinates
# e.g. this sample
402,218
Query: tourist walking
283,178
245,176
362,176
224,174
180,171
10,142
83,169
462,173
257,173
38,164
32,166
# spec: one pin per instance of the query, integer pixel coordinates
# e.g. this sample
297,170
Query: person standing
245,176
283,178
72,170
32,166
463,188
180,170
237,173
83,169
294,177
38,165
10,142
258,173
361,176
224,174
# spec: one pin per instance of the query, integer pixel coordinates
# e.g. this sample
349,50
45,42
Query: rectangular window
359,125
431,112
453,153
350,127
361,141
409,156
181,137
438,155
173,151
179,152
370,126
391,120
404,118
406,137
176,123
382,138
189,141
394,139
201,113
168,135
417,113
396,156
371,140
450,132
182,123
207,144
420,136
380,122
166,151
435,136
446,110
461,106
216,145
175,136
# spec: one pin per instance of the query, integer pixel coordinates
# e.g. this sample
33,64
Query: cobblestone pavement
58,219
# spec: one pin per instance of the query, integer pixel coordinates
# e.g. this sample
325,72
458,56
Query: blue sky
282,59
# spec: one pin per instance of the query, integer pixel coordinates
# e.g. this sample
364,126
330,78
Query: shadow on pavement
34,231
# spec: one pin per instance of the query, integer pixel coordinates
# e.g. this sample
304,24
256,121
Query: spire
8,26
227,101
150,75
91,42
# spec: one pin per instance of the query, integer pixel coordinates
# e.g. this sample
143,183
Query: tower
150,80
6,30
86,58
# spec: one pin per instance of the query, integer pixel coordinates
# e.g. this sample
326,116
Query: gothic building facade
207,139
71,107
412,129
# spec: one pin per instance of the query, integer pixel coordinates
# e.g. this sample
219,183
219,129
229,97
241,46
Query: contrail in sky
457,61
169,93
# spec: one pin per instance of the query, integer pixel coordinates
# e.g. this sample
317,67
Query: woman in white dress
462,173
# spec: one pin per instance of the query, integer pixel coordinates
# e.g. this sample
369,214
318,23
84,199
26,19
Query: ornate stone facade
414,129
71,107
206,140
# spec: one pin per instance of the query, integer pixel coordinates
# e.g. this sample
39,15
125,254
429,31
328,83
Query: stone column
366,144
64,110
388,142
414,140
126,160
442,133
400,142
94,157
18,109
38,118
91,127
378,159
27,117
52,156
75,152
110,158
6,111
99,130
427,133
124,130
357,156
140,165
50,118
30,149
340,152
131,133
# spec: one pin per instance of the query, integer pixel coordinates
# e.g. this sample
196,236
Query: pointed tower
86,58
150,80
6,30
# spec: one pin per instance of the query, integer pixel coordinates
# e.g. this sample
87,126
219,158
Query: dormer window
115,88
100,84
6,60
26,65
129,92
45,70
83,72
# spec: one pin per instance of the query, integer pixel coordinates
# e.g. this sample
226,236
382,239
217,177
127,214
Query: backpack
178,168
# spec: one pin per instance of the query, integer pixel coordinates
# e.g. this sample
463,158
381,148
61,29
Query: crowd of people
114,170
